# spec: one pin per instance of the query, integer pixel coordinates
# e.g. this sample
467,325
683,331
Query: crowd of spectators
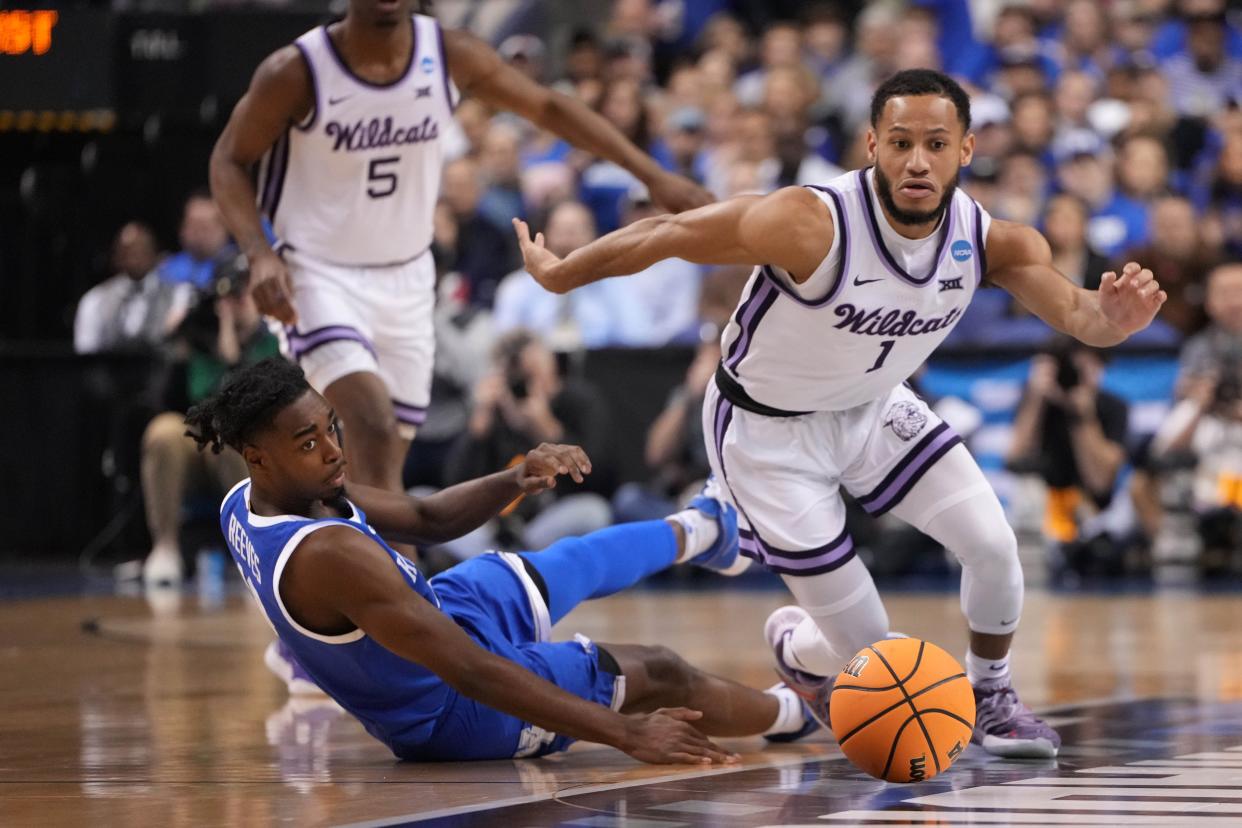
1113,127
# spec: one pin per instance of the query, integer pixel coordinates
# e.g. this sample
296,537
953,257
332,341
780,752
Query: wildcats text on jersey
377,133
878,322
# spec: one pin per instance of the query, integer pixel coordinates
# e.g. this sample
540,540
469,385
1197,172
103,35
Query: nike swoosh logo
996,667
335,101
860,282
1007,623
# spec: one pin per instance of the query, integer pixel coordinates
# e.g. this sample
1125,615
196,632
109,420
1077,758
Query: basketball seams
892,751
968,725
926,735
891,708
948,713
918,661
890,687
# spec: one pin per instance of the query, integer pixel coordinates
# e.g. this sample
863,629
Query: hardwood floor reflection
170,718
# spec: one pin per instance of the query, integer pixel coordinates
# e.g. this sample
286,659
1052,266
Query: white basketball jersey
356,183
861,324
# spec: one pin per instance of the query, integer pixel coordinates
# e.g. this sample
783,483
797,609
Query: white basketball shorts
784,473
372,319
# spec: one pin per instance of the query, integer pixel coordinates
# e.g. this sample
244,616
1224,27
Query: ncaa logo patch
961,250
427,65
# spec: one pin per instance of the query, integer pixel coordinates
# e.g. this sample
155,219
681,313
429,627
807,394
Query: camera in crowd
510,351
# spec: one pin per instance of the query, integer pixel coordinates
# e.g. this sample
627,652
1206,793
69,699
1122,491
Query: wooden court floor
117,711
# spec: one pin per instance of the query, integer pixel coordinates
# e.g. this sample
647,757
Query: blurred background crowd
1113,126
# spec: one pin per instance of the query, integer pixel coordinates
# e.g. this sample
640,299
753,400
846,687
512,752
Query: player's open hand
677,193
1130,300
272,287
666,737
540,262
548,461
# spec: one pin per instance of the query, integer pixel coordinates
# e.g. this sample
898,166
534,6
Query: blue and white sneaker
810,725
722,556
813,690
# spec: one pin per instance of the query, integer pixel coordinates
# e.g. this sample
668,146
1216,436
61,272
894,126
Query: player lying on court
856,283
460,667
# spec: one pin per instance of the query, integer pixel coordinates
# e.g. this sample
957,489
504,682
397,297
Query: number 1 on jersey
885,347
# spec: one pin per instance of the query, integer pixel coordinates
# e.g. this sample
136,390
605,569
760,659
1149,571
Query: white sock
790,717
700,531
979,668
807,650
164,550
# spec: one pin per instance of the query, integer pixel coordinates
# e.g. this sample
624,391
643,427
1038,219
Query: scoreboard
85,69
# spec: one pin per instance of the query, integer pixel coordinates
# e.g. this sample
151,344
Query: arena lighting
27,31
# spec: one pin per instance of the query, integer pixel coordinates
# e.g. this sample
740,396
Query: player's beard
913,217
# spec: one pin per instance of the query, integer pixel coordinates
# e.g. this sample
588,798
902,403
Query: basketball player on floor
857,282
460,667
347,122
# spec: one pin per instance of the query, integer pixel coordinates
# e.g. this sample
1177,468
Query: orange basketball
902,710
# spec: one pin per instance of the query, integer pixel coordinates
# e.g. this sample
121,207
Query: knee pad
980,537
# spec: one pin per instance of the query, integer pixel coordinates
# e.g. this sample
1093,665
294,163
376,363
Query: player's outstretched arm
791,228
280,94
479,71
1020,261
338,578
457,510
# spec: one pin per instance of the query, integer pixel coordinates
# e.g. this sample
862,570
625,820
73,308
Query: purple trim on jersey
301,344
835,288
910,469
981,258
760,301
444,68
724,416
269,171
280,164
310,67
410,414
804,562
897,270
340,60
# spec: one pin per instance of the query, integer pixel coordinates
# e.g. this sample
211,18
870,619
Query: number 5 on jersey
381,183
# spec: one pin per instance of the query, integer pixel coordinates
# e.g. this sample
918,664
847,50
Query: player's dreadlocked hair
247,403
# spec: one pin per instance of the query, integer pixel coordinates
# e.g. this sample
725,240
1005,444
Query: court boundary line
565,793
583,790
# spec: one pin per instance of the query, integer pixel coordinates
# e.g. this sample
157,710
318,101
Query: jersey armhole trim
309,121
982,263
444,68
290,546
834,288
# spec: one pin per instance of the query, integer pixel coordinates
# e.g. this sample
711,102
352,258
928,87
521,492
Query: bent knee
670,677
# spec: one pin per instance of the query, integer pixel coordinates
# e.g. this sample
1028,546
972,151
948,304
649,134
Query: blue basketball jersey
397,701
